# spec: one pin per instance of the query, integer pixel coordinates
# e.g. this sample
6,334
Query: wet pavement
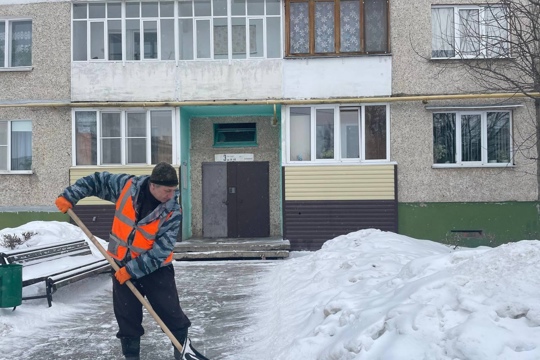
217,296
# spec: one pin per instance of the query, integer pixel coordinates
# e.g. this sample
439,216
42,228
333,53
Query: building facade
293,118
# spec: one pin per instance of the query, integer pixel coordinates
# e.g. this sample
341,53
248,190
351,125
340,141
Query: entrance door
214,194
236,199
248,199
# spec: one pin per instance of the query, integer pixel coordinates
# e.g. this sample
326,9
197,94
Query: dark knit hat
164,174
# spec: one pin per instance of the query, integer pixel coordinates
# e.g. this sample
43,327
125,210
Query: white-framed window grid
14,55
123,135
339,156
263,21
484,160
24,145
492,24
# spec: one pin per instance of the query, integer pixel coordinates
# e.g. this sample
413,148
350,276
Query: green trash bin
10,285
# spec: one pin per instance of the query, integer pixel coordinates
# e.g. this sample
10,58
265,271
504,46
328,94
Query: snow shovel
189,353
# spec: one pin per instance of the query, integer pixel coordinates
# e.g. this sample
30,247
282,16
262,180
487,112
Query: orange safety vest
124,224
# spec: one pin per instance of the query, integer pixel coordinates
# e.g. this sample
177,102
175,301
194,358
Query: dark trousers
160,290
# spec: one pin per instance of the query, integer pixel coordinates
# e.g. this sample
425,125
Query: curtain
299,28
469,32
376,25
3,145
21,145
444,138
471,138
324,27
442,32
21,44
498,138
86,137
350,26
496,32
300,134
2,43
161,136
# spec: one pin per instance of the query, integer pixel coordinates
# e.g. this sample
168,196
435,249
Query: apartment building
284,118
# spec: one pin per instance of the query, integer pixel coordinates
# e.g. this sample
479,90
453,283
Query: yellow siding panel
347,182
79,172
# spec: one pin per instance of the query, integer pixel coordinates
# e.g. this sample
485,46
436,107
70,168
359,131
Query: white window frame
176,18
484,138
6,66
123,131
483,48
123,20
16,172
338,159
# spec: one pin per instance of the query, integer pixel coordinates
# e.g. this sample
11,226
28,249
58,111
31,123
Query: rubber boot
131,348
181,336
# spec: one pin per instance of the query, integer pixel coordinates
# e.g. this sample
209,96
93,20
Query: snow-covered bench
56,265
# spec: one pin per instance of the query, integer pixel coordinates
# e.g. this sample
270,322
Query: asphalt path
219,297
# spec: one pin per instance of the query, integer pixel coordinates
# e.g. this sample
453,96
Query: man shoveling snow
143,235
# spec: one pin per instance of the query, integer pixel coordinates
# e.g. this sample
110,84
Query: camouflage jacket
109,186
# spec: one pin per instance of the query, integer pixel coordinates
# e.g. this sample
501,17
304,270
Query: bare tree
500,45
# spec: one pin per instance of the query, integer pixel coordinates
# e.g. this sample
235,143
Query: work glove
63,204
122,275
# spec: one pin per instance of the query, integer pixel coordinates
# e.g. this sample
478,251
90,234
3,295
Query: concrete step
221,249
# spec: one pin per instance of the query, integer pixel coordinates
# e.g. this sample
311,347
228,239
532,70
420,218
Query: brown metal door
248,210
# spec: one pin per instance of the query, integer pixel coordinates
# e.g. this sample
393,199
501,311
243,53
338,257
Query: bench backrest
38,254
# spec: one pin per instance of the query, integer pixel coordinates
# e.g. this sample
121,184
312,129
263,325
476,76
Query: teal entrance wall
470,224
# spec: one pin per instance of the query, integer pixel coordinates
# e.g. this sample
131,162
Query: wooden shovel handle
139,296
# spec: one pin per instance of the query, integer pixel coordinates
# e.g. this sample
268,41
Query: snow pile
379,295
49,232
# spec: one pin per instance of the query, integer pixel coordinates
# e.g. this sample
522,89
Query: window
99,31
472,138
229,29
469,32
115,137
338,134
235,134
15,43
16,146
334,27
171,30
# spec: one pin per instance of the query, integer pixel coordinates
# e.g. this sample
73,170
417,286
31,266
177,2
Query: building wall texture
50,76
414,73
418,181
239,79
51,158
47,81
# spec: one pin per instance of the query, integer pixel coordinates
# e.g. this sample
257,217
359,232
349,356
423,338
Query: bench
74,262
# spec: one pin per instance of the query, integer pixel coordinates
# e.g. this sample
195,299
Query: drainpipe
355,100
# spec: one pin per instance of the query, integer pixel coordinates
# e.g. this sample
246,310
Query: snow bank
378,295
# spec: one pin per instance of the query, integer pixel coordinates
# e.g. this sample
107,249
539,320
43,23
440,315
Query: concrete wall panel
51,159
164,81
337,77
413,71
49,78
412,144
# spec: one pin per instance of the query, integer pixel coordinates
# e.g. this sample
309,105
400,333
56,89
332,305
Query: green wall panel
470,224
15,219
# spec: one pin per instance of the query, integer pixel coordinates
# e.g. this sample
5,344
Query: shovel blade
190,353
